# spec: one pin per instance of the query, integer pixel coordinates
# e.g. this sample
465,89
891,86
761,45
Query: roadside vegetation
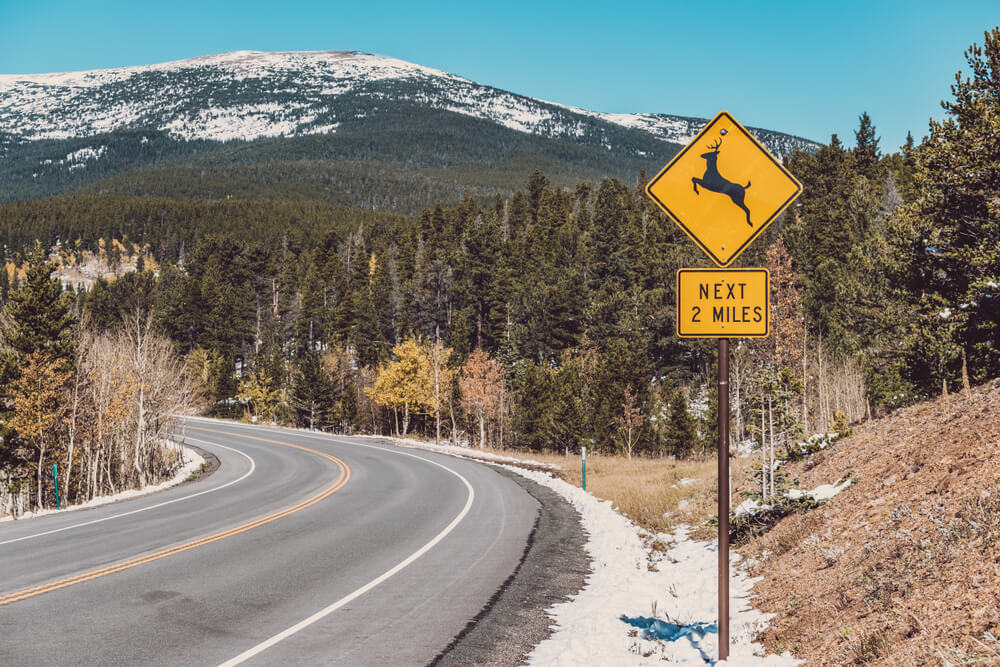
87,410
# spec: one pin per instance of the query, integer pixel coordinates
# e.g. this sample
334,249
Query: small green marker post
55,479
583,453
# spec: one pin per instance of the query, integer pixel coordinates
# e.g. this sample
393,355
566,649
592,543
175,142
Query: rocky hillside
903,567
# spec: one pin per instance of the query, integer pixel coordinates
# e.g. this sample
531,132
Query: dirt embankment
902,568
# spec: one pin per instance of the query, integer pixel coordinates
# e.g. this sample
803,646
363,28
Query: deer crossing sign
723,189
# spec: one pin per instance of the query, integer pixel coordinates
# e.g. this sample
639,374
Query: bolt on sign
718,303
723,189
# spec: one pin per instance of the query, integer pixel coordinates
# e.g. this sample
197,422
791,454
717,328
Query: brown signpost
723,189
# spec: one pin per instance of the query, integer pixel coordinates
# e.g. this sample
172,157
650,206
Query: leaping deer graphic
714,182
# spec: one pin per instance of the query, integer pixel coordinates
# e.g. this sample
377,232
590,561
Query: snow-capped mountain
249,95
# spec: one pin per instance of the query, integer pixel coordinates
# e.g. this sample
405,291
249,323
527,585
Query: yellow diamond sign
723,189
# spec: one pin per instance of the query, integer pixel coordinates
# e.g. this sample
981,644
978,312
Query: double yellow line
345,475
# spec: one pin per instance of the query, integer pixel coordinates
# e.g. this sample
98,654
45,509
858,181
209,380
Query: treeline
173,227
84,412
569,292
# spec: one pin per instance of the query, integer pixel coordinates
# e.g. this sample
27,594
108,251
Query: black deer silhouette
714,182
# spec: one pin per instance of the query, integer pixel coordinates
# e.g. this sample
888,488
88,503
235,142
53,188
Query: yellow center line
345,475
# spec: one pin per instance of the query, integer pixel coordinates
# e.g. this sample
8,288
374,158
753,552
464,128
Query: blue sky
807,68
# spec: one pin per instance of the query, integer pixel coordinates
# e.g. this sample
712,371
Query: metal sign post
723,189
55,480
723,498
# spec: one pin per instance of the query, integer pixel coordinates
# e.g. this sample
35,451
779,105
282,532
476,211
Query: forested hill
342,127
548,315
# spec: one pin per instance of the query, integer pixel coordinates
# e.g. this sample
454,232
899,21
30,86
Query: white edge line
253,466
326,611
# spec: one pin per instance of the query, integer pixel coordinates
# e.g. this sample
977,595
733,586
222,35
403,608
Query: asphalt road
300,549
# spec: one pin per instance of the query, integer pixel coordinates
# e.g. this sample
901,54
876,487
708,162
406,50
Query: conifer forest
540,320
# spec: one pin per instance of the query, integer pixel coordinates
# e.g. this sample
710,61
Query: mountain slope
62,131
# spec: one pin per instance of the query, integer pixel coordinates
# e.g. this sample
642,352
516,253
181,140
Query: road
300,549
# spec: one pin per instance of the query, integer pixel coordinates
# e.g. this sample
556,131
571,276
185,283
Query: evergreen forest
540,320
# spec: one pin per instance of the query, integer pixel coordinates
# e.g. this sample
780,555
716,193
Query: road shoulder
553,569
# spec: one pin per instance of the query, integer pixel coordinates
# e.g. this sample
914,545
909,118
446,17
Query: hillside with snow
62,131
248,95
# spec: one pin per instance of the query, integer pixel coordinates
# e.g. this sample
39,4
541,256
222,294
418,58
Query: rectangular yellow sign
722,303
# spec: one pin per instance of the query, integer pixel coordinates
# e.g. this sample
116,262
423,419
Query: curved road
301,548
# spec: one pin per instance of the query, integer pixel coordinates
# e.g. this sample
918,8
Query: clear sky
807,68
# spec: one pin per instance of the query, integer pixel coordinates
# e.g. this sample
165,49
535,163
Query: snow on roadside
619,596
612,621
192,462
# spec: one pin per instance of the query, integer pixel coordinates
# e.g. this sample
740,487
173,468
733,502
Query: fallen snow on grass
820,494
628,614
823,491
192,462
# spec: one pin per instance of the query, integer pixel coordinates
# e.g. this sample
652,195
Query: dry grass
647,491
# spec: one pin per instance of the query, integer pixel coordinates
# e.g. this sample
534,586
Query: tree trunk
72,435
966,387
454,424
41,464
140,436
805,407
770,414
482,429
503,392
763,453
437,400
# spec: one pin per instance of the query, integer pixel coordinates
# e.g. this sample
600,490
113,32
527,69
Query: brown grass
644,490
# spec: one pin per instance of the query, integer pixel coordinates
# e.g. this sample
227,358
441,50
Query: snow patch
612,620
822,492
192,461
618,599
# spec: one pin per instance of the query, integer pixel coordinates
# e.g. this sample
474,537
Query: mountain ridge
349,112
38,106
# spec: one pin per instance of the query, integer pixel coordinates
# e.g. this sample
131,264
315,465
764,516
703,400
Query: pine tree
609,225
4,283
681,433
947,243
866,153
40,314
313,393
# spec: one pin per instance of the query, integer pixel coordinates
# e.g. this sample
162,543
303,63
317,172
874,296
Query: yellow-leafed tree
38,405
257,391
441,376
405,384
